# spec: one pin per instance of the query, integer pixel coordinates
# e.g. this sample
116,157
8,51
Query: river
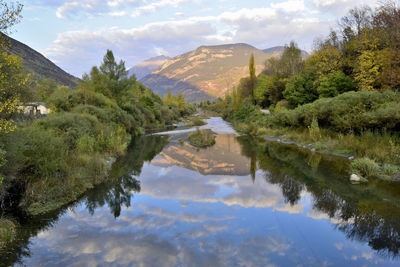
241,202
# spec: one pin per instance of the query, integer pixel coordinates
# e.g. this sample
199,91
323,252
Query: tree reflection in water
115,193
367,213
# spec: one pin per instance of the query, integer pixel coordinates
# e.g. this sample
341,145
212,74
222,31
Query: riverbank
51,162
374,154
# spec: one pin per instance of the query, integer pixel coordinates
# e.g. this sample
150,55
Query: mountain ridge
37,64
206,72
147,66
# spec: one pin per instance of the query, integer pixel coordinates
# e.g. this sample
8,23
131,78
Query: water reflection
368,213
242,202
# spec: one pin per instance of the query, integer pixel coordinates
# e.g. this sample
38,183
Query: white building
34,108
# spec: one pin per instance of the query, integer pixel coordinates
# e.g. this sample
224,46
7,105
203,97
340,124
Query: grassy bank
7,232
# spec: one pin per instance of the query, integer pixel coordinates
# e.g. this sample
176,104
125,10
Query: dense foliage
352,111
58,157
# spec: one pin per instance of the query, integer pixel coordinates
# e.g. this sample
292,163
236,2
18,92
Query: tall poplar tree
253,78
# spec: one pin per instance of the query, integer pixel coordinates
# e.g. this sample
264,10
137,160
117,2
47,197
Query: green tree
334,84
269,89
291,62
300,89
45,88
110,67
252,76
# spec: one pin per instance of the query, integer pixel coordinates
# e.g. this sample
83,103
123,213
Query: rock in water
355,178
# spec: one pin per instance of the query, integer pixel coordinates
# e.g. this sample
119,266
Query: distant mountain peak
227,46
206,72
278,50
148,66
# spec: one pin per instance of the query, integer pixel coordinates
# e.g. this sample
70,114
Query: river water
242,202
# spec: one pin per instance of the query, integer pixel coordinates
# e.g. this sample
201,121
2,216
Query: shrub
334,84
351,111
246,111
314,130
202,138
196,122
300,89
71,126
38,152
365,167
7,231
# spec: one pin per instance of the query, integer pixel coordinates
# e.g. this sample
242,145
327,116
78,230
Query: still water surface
242,202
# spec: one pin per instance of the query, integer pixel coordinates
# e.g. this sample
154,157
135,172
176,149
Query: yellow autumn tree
325,60
13,83
12,78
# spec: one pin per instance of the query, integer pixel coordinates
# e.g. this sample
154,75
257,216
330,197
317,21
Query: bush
366,167
300,89
246,111
38,152
334,84
71,126
202,138
348,112
7,232
196,122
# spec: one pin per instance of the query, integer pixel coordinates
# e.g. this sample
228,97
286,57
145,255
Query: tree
334,84
300,89
45,88
253,79
269,89
291,62
111,68
12,78
10,14
110,79
325,60
358,19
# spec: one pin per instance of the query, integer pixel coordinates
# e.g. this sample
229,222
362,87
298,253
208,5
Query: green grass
196,122
202,138
365,167
7,231
376,154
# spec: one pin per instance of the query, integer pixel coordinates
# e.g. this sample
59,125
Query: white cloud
340,7
153,6
132,45
117,3
290,5
262,27
118,14
69,8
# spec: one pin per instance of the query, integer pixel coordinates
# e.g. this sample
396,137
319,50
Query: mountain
224,158
39,65
205,73
147,66
277,51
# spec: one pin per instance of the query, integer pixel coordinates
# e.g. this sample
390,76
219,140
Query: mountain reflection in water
242,202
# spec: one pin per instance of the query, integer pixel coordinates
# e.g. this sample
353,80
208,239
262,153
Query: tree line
362,54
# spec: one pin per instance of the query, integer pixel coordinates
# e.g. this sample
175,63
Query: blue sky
76,33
